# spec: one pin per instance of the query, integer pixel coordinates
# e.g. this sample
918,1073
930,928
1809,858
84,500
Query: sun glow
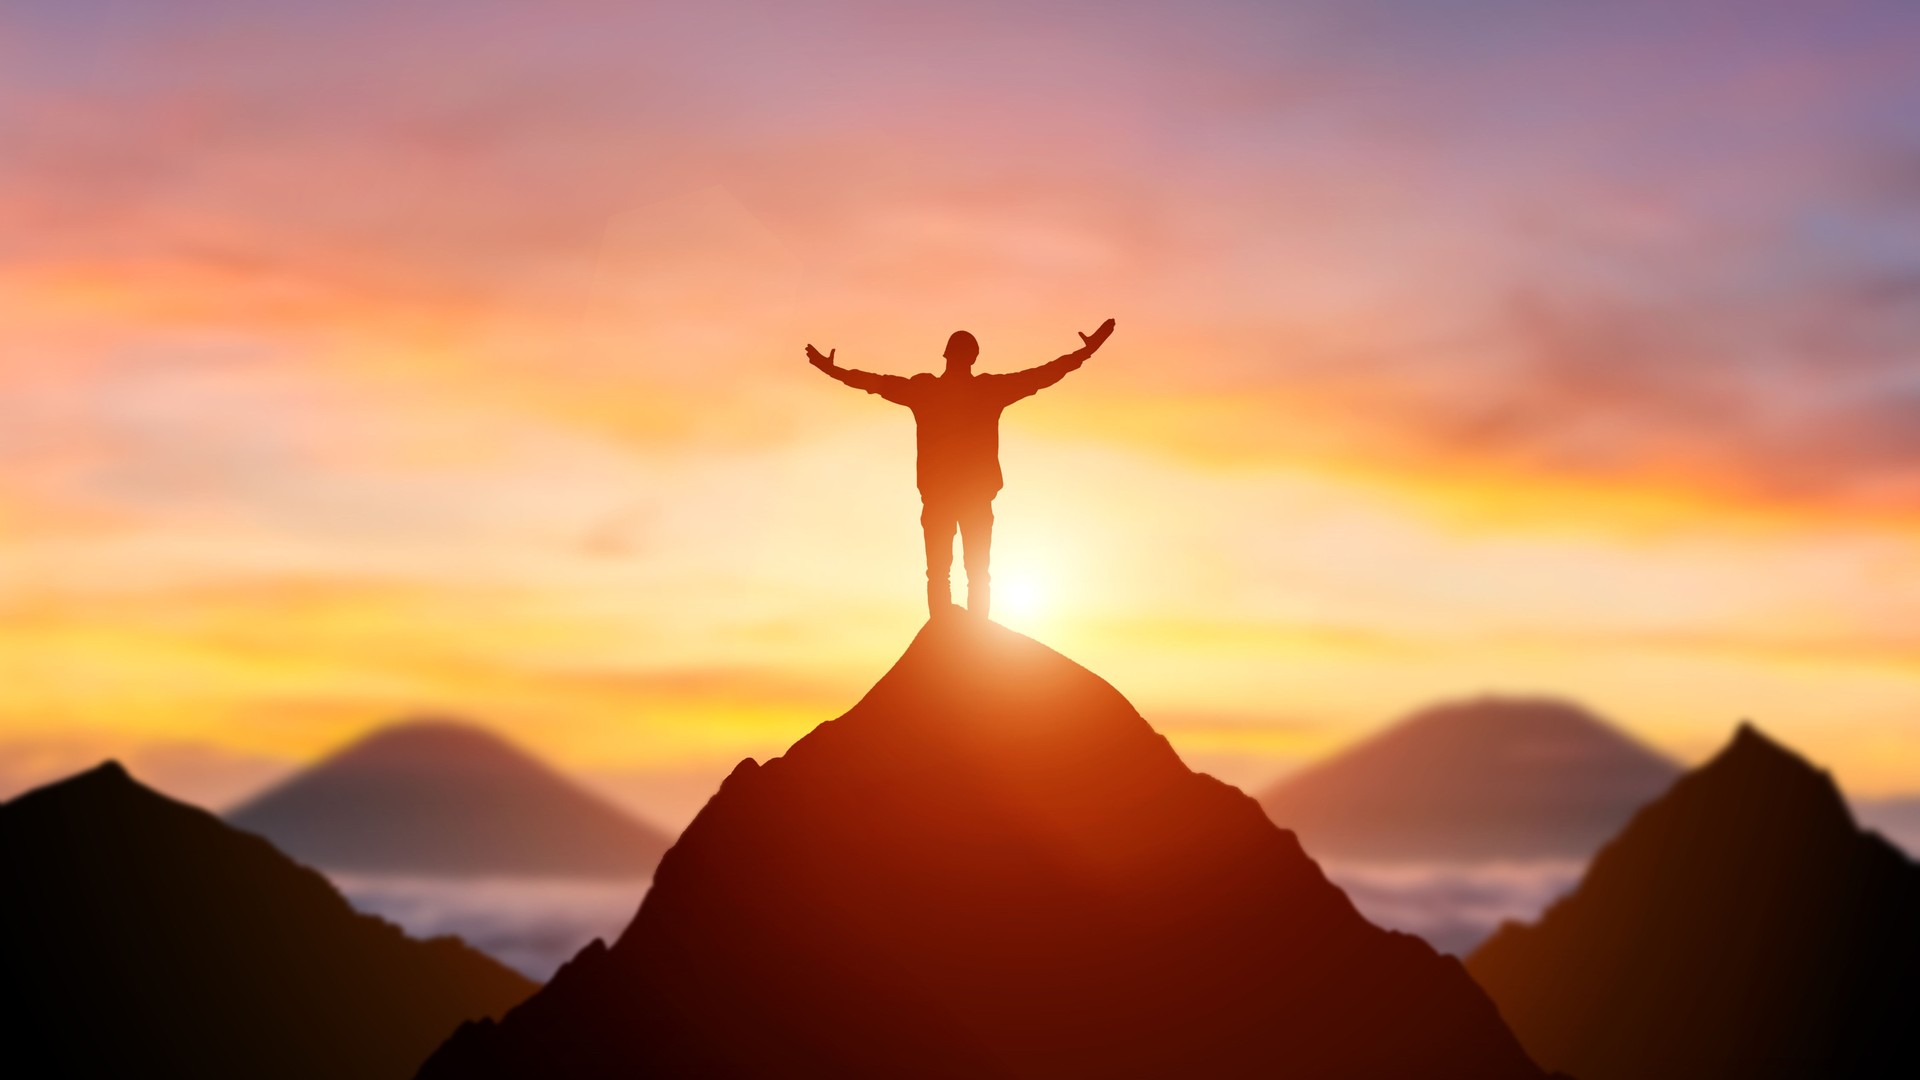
1020,600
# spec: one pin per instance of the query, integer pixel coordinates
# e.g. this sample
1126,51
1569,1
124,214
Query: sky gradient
360,360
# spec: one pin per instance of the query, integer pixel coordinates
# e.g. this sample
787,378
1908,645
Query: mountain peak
108,773
107,790
958,689
440,796
1740,925
991,866
436,743
1752,749
1492,777
1777,789
144,937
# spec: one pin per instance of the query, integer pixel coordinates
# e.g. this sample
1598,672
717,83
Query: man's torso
957,423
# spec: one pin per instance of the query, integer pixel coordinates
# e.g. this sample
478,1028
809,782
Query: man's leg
937,521
976,539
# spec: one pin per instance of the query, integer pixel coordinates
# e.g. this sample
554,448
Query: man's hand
1092,342
825,362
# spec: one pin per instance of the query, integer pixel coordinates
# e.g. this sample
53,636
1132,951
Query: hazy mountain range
1483,779
1338,828
990,866
444,798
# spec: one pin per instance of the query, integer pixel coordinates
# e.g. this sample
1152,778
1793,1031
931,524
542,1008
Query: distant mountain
992,867
435,797
1489,778
1896,818
1741,926
140,937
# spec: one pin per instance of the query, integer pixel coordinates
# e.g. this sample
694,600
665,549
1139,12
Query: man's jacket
958,421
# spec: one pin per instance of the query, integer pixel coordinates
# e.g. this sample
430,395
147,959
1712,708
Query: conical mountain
1741,926
141,937
1487,778
992,867
439,797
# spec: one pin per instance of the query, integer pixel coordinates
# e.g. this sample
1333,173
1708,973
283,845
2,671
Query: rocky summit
991,866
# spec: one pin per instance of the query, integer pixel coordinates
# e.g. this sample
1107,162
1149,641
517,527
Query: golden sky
359,360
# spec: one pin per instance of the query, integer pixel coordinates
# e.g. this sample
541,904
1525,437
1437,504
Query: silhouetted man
957,415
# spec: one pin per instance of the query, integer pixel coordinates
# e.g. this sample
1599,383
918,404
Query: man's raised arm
1035,379
891,387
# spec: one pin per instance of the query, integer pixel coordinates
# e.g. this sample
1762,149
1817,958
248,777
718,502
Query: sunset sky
367,359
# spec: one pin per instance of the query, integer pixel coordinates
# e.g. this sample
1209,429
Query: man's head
961,352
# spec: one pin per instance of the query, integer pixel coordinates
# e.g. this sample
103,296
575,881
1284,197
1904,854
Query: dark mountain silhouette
1741,926
141,937
446,798
1489,778
992,867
